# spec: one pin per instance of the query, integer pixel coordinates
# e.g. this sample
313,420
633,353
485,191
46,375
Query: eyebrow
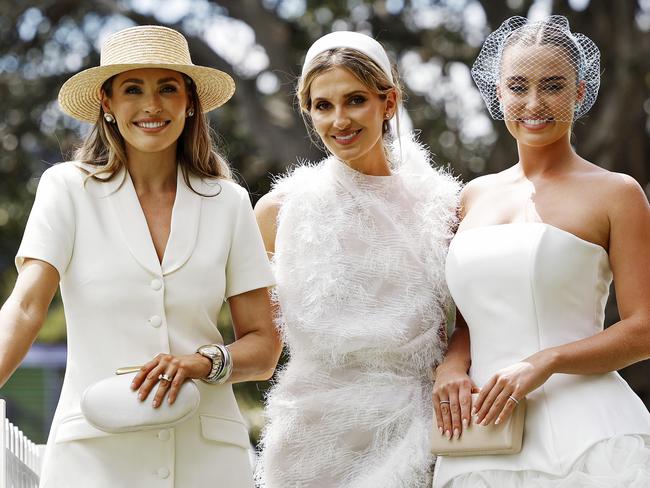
523,79
520,79
346,95
138,81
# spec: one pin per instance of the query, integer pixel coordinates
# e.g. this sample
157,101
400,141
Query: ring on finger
444,401
510,397
165,377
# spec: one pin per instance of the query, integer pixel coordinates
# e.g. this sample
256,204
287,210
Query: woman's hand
176,368
452,400
503,391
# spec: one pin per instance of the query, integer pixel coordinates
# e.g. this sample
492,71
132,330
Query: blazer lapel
186,216
135,230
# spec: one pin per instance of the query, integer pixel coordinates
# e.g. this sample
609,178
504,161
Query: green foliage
26,396
53,329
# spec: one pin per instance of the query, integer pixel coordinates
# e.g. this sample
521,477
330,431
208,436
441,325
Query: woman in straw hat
147,235
530,269
359,242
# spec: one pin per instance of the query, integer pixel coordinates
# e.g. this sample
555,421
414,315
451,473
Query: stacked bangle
221,363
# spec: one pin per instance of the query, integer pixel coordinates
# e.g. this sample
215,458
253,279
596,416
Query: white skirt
619,462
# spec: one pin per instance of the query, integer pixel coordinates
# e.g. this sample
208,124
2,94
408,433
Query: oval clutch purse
478,440
112,406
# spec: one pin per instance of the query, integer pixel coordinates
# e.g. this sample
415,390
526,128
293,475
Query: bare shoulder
266,213
268,206
618,189
478,187
625,195
619,197
623,184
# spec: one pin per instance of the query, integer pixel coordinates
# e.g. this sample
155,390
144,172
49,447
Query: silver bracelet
216,356
226,369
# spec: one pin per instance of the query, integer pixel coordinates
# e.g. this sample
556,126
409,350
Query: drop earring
190,112
109,118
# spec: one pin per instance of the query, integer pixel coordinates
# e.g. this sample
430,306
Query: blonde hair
361,66
195,151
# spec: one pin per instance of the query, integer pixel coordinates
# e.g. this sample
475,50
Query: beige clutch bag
479,440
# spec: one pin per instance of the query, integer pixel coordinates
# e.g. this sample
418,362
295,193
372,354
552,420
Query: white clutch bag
112,406
478,440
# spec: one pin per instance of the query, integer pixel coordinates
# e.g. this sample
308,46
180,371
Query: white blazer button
155,321
163,473
155,284
163,435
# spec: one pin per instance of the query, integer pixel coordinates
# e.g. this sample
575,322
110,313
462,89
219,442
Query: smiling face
538,92
149,106
348,117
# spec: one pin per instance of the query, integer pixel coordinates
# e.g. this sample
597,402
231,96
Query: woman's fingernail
440,430
457,433
485,422
448,434
497,421
473,409
465,423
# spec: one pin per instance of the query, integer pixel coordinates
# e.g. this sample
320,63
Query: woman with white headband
530,270
147,235
358,244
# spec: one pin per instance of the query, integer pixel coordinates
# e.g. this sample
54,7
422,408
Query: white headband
352,40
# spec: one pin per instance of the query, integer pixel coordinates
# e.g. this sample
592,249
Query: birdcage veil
537,70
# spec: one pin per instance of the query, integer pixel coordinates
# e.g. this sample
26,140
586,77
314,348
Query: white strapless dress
521,288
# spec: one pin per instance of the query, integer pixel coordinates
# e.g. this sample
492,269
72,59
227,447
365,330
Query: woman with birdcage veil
530,269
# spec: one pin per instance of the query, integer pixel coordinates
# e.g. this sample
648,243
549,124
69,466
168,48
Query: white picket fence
20,458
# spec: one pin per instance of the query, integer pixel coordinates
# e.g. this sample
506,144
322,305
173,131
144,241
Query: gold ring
164,377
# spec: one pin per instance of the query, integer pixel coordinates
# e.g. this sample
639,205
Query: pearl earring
109,118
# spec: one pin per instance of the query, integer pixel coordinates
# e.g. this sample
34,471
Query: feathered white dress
359,265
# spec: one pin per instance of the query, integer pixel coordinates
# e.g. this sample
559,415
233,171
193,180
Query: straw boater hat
146,46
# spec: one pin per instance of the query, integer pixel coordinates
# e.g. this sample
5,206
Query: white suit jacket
123,307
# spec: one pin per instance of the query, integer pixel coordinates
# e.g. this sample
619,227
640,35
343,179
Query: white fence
20,458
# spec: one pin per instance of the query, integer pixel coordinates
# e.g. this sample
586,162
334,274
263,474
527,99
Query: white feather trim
359,265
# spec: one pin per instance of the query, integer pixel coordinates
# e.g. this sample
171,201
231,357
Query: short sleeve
248,266
50,231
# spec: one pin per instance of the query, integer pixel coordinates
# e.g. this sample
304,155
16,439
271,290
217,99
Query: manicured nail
133,385
465,423
155,403
448,434
141,396
457,433
485,422
473,409
440,430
